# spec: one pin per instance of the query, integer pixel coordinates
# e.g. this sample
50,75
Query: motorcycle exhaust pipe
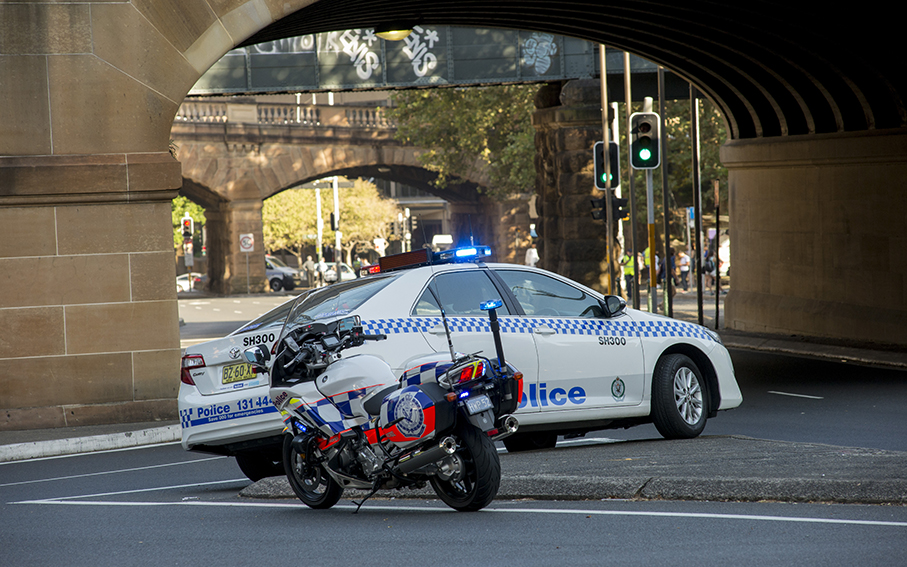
445,447
508,426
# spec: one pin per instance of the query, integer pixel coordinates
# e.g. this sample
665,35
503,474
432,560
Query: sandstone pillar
568,123
818,235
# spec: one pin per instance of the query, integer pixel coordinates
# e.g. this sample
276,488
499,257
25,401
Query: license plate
238,373
478,404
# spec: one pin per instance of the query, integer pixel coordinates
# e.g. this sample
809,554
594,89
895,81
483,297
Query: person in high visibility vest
629,268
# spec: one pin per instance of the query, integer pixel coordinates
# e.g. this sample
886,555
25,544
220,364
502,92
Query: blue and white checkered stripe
425,373
672,328
564,326
333,415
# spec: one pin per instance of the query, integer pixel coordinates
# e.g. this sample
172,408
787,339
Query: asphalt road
789,398
163,506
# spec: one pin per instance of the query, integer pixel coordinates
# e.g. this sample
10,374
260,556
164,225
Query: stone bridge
235,155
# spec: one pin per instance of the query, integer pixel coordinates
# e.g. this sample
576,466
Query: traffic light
644,138
599,161
188,228
598,208
619,208
335,222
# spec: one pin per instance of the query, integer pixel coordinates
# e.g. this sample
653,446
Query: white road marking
112,472
796,395
71,500
68,499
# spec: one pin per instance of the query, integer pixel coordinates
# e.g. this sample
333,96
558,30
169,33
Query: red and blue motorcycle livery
352,424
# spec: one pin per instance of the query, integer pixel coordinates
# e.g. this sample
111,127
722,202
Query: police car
224,406
589,362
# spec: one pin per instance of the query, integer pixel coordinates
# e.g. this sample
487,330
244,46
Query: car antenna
453,357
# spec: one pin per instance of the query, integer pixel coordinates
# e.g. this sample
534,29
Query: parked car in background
346,272
198,281
281,276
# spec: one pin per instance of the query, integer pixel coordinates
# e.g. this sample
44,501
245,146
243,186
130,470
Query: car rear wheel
679,400
257,466
276,285
530,442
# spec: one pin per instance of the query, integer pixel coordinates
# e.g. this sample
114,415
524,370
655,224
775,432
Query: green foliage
178,208
289,218
460,127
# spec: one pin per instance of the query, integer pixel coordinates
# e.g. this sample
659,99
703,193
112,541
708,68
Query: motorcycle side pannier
415,413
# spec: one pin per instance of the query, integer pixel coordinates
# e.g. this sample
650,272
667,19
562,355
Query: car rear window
274,317
337,299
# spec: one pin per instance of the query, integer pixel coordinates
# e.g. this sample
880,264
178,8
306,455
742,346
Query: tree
460,126
288,218
364,216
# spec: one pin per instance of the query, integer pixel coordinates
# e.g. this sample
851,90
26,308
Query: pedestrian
683,263
357,265
321,268
309,267
708,272
629,269
532,255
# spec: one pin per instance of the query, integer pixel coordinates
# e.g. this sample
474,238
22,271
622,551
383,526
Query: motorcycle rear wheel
477,482
311,484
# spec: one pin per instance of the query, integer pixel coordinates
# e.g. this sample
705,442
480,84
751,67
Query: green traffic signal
644,139
601,177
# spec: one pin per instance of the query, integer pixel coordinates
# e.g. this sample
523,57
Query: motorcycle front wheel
470,477
310,483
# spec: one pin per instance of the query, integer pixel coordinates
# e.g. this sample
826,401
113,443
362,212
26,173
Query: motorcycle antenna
453,356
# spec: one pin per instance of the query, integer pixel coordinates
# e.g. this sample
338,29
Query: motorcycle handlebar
374,337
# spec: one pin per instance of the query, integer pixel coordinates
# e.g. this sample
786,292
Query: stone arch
236,177
86,173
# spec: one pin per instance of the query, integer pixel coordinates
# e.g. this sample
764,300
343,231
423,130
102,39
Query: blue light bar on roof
423,257
467,254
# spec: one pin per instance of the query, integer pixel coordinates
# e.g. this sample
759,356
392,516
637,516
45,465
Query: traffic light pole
650,218
697,196
634,239
653,269
666,208
606,139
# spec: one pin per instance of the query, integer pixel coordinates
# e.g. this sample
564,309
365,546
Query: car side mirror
257,356
613,305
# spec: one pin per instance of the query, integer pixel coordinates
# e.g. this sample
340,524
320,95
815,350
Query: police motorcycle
351,423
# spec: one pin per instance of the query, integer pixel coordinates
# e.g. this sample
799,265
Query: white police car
224,407
588,361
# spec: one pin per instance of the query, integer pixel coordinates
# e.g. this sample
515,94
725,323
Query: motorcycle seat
373,405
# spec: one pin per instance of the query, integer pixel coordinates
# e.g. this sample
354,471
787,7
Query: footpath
706,468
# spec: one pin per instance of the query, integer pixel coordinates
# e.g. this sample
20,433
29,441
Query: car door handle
544,330
437,330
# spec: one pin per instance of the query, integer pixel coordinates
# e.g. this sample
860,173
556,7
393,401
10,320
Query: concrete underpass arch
817,160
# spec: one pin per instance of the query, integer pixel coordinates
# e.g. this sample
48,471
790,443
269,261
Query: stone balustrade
204,111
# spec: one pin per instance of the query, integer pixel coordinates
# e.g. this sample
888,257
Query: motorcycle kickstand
375,488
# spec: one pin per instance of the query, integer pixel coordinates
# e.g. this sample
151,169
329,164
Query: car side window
544,296
461,293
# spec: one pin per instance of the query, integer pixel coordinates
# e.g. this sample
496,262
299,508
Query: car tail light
190,361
